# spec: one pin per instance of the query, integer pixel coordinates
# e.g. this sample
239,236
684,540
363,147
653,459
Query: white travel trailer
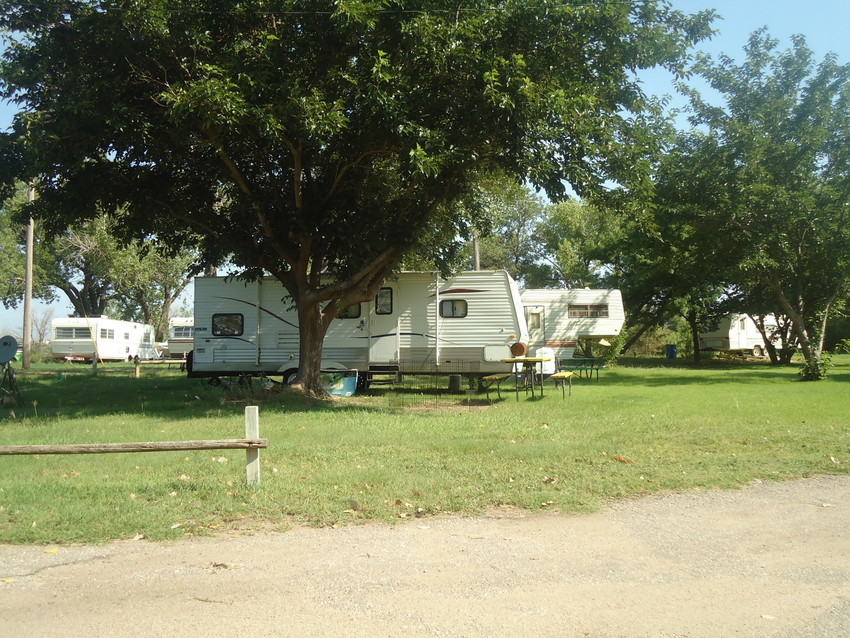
559,318
419,323
86,338
180,337
738,333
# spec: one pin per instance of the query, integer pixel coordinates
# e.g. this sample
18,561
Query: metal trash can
671,350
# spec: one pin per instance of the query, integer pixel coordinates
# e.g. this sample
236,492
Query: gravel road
770,560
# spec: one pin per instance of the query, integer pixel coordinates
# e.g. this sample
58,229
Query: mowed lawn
645,426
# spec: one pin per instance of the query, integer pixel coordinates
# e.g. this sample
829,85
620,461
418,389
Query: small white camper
86,338
738,333
180,337
559,318
419,323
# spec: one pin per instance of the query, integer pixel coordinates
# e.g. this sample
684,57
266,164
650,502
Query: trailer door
383,326
535,319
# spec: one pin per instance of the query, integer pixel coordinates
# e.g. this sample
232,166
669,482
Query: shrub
816,369
843,347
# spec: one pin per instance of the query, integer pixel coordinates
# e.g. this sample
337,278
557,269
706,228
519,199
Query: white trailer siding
180,337
558,319
738,333
481,317
84,338
400,329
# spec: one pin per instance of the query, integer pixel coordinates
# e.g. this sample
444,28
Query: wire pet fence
455,385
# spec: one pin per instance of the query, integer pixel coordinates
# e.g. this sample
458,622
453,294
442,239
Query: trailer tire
758,351
289,376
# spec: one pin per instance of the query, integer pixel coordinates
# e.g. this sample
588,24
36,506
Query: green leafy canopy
307,138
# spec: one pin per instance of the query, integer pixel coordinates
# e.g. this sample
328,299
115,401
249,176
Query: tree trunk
634,338
312,329
695,341
692,320
825,319
798,322
768,342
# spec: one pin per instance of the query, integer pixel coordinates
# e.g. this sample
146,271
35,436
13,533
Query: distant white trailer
419,323
87,338
738,333
181,332
559,318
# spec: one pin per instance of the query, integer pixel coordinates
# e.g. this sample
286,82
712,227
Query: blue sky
825,24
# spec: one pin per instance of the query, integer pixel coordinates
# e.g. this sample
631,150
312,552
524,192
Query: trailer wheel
758,351
214,381
289,376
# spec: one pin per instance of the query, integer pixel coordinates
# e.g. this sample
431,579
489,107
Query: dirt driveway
769,560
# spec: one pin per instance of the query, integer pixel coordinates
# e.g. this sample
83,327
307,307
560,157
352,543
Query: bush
843,347
817,369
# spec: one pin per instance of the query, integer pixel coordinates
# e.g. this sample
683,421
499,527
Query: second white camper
180,337
738,333
558,319
419,323
86,338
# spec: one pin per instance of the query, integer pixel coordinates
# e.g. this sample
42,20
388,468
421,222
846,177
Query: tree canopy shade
769,174
318,140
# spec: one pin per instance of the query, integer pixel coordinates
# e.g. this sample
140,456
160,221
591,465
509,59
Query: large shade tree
768,172
318,140
506,229
96,273
578,243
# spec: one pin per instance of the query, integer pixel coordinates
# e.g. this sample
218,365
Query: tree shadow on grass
73,392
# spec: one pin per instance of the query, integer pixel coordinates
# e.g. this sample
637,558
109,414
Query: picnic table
582,365
528,373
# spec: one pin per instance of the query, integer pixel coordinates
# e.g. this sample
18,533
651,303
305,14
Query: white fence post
252,456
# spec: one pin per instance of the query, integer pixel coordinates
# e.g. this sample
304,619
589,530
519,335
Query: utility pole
28,285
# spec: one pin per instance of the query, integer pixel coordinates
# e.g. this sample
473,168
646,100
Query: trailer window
72,333
349,312
453,308
228,325
182,332
588,310
384,302
534,319
107,333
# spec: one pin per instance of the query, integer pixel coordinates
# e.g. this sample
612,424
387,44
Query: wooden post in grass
251,444
252,455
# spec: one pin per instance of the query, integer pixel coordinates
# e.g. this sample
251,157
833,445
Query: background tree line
330,144
749,212
93,270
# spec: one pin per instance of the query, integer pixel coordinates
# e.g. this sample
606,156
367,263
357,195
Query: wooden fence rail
141,446
251,444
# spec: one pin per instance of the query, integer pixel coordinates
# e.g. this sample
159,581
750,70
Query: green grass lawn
643,427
